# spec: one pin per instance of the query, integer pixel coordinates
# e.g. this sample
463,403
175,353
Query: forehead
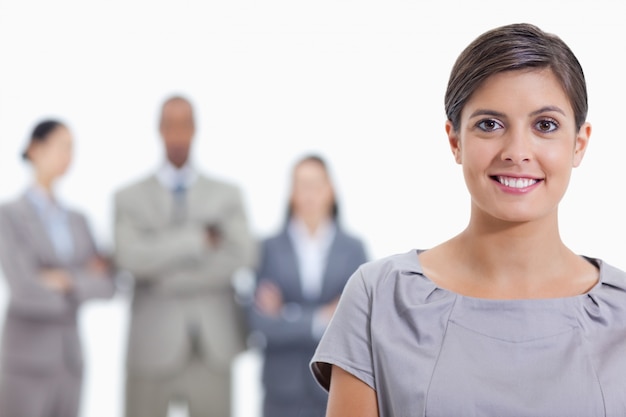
520,90
59,134
177,108
309,169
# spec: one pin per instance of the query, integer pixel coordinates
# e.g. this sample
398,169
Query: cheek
558,160
476,158
181,134
300,198
61,159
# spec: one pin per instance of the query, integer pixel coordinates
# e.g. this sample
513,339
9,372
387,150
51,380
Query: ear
455,142
33,151
582,140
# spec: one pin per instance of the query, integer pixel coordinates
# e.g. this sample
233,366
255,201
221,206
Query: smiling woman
527,146
502,319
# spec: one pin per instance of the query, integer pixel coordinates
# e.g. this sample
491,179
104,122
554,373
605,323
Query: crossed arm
183,258
48,292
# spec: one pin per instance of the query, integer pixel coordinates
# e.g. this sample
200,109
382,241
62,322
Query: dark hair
514,47
320,161
41,132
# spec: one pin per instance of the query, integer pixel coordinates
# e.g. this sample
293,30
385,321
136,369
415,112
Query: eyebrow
487,112
547,109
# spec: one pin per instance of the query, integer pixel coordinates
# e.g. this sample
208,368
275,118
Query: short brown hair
515,47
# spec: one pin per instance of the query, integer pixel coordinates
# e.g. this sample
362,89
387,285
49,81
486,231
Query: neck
312,223
513,251
505,260
177,164
45,183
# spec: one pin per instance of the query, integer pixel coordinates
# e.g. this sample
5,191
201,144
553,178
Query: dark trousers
274,409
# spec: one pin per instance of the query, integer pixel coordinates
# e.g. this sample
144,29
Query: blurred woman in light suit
51,265
302,272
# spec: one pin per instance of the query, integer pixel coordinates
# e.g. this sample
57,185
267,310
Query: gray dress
430,352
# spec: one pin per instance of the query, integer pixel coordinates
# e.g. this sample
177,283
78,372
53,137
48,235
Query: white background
359,81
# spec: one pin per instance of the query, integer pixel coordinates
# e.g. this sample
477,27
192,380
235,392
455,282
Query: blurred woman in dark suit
51,265
301,274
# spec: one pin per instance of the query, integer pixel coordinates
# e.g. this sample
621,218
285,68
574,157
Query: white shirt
172,177
55,220
312,254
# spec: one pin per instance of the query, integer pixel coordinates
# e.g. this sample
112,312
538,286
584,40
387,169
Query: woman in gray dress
503,319
51,265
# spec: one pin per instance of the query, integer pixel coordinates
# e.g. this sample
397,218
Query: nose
517,146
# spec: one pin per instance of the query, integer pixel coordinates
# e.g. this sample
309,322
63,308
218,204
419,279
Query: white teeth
516,182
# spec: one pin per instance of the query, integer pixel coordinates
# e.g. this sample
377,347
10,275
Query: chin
178,161
511,213
519,217
61,173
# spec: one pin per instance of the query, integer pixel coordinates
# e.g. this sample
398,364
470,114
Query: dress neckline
413,258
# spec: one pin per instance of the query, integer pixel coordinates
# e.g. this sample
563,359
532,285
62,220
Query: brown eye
546,126
489,125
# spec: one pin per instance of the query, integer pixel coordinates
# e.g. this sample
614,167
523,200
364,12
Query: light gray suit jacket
40,329
290,342
180,280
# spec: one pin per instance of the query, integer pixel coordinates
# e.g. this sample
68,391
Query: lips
515,182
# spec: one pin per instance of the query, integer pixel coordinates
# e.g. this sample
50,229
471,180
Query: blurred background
360,82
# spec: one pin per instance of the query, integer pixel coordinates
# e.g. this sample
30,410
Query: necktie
179,206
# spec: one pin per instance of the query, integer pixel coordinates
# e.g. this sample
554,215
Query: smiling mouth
514,182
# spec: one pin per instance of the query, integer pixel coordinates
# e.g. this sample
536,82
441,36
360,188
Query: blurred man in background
182,236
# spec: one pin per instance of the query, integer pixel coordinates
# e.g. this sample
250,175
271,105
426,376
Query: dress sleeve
347,342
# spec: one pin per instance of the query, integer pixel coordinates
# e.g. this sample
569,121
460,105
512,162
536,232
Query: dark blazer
40,330
290,342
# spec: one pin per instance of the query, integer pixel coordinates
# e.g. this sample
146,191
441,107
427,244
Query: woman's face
52,157
312,194
518,142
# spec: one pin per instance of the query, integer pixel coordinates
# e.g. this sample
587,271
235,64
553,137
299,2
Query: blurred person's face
177,130
312,194
52,157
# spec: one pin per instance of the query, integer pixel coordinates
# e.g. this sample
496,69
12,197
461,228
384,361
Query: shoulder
348,237
7,208
12,215
9,212
394,264
16,206
134,191
218,186
130,190
400,272
275,241
612,279
384,290
224,191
